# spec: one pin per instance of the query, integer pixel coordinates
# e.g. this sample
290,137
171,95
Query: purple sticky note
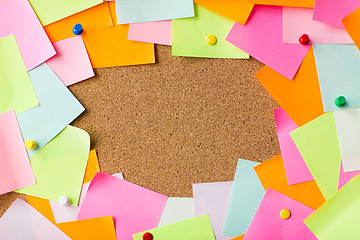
344,177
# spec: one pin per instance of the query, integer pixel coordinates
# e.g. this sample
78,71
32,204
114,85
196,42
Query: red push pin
148,236
304,39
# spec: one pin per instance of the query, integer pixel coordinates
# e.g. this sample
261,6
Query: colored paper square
151,32
289,3
351,24
262,38
177,209
345,177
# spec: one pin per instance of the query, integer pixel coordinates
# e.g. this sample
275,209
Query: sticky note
190,35
92,19
16,91
318,144
132,207
334,62
236,10
212,199
295,167
241,237
92,166
71,63
58,108
18,18
337,218
351,25
59,167
333,11
177,209
245,198
289,3
262,38
151,32
15,168
345,177
267,223
198,228
133,11
272,175
48,12
299,21
21,221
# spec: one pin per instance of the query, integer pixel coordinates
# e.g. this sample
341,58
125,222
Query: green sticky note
318,144
52,11
197,228
338,218
16,90
189,36
59,167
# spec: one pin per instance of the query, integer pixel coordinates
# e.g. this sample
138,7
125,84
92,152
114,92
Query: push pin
304,39
148,236
30,144
340,101
285,214
78,29
211,39
64,200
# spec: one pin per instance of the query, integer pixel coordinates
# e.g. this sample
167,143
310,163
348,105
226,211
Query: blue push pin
77,30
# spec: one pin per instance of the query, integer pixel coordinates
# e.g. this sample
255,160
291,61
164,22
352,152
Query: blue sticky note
132,11
58,107
338,71
245,198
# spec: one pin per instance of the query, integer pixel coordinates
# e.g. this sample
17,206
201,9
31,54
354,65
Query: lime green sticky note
197,228
52,11
189,36
59,167
16,90
318,144
338,218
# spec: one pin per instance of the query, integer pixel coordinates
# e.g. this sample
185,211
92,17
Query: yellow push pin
211,39
285,214
30,144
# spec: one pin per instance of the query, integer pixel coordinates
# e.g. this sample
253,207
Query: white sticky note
177,209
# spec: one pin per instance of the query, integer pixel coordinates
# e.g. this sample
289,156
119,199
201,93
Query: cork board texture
177,122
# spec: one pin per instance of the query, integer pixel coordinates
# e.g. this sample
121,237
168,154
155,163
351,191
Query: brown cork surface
177,122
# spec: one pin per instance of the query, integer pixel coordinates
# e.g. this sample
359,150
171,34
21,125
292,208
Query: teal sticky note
245,198
58,107
132,11
338,71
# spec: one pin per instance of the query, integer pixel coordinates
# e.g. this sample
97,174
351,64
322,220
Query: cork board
177,122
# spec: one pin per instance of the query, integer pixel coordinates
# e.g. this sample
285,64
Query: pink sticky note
71,63
297,21
262,38
133,208
17,17
344,177
15,168
159,32
333,11
267,223
295,167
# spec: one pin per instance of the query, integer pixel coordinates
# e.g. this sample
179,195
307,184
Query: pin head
340,101
211,39
78,29
148,236
64,200
285,214
304,39
30,144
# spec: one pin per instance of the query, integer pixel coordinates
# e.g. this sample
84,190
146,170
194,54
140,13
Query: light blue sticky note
338,70
132,11
58,107
246,195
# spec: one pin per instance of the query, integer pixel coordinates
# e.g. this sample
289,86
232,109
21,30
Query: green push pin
340,101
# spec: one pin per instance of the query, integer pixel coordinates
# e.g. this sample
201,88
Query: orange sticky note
92,19
300,97
239,237
272,175
92,167
351,24
289,3
90,229
237,10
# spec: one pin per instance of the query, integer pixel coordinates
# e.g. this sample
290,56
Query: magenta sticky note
344,177
333,11
71,63
17,17
262,38
267,223
159,32
298,21
133,208
295,167
15,167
